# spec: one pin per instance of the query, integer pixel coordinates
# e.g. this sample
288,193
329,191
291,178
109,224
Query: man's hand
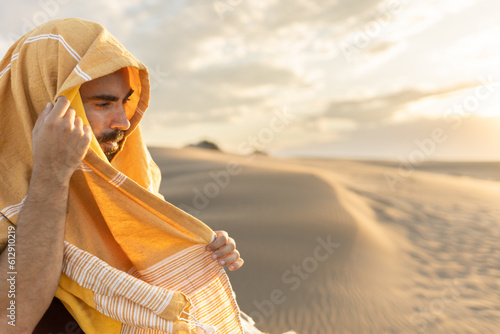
224,250
60,141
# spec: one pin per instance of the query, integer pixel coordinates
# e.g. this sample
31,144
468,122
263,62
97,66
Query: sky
405,80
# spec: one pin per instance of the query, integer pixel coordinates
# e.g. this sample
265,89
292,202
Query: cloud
283,14
248,75
197,98
476,138
381,47
383,107
227,69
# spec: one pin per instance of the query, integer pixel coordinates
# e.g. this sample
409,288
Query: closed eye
102,105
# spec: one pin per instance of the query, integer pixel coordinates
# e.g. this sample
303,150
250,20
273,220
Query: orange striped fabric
138,304
193,272
133,263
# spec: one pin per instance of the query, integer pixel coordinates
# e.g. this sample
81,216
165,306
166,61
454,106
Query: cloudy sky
394,79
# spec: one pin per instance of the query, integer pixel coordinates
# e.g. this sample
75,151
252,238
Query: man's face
104,100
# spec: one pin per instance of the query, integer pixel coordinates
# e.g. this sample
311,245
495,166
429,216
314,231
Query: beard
114,136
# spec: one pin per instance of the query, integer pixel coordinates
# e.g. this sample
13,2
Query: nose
120,120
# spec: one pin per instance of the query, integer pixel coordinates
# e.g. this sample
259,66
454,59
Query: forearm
39,237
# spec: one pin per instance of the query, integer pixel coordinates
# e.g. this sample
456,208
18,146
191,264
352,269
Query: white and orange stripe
12,210
137,303
116,293
59,38
118,179
4,71
194,272
84,167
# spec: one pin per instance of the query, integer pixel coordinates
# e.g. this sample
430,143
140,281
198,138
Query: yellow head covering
133,263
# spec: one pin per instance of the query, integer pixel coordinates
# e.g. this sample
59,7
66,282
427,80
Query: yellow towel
133,263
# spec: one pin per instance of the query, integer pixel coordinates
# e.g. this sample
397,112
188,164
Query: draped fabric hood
133,263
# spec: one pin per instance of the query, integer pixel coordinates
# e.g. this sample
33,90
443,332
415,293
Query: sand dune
333,247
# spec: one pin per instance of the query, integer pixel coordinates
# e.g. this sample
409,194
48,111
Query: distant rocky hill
206,144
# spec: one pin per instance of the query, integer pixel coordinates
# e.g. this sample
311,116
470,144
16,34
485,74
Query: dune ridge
420,257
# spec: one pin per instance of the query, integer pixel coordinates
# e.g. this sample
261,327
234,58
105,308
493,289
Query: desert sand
336,246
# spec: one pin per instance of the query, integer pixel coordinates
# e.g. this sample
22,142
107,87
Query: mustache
115,136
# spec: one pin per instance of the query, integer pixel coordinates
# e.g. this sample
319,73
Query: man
122,246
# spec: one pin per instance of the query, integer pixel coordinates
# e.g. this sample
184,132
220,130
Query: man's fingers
42,116
233,260
87,131
60,108
78,124
224,251
236,264
78,127
87,137
69,119
83,133
221,239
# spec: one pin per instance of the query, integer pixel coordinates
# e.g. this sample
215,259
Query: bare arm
60,142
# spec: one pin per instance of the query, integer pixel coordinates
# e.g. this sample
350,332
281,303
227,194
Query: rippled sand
349,247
